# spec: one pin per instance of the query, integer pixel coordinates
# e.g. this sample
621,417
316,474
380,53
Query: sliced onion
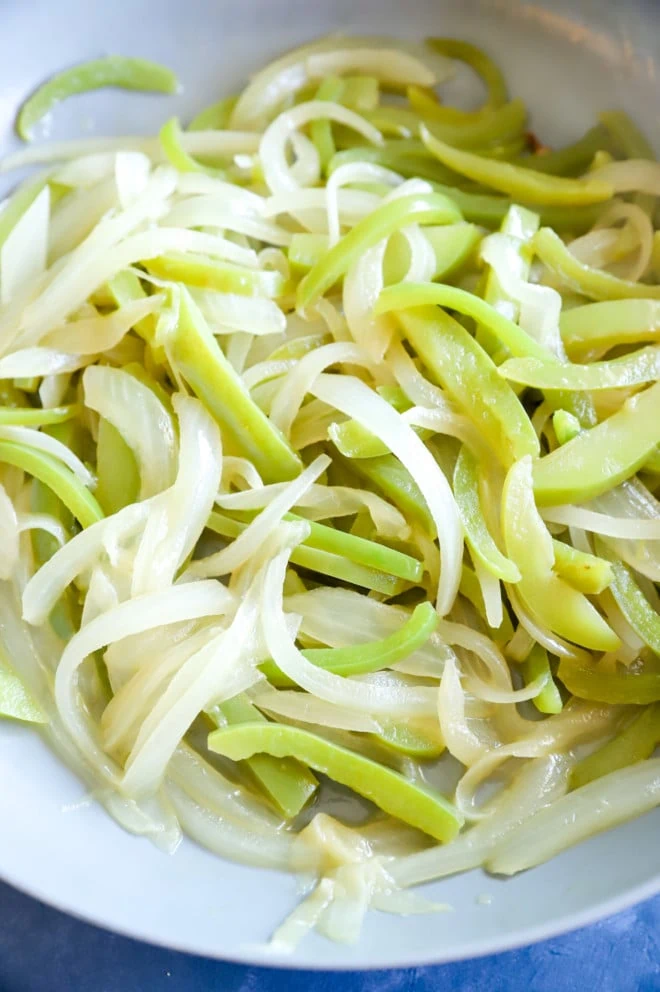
356,400
273,145
9,535
136,412
297,383
23,254
345,692
600,805
44,442
288,74
143,613
345,175
602,523
177,521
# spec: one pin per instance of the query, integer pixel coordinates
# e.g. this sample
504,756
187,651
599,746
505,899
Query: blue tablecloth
42,950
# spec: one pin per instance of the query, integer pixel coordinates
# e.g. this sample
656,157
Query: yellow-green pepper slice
427,810
558,605
113,70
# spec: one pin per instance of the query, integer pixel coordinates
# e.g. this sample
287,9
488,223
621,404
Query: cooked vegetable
422,808
309,438
113,70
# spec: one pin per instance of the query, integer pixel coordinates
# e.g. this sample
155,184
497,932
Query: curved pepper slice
535,665
626,687
170,137
522,184
114,70
463,368
600,458
527,542
635,743
25,416
632,370
287,783
56,476
199,358
585,572
477,535
609,323
426,208
477,59
361,659
632,602
594,283
421,808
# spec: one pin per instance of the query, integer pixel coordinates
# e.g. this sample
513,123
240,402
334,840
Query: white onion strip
356,400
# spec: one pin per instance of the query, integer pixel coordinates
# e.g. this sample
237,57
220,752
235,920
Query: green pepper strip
636,742
406,295
407,156
213,273
197,355
453,246
15,701
463,368
477,535
626,687
324,562
374,656
116,470
515,181
36,417
126,287
535,665
306,250
388,474
566,426
482,208
360,92
426,810
65,615
476,58
214,118
593,283
585,572
56,476
572,160
114,70
626,135
21,200
496,124
353,440
527,542
171,141
321,130
600,458
361,551
632,602
286,782
408,740
427,208
632,370
608,324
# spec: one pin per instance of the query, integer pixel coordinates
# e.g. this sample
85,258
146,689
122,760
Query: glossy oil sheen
568,61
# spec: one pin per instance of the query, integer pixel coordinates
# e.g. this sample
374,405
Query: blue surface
42,950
